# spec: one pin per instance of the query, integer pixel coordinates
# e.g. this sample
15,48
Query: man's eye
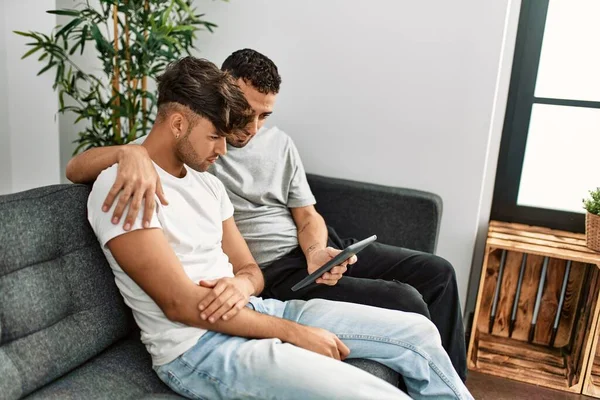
263,116
215,137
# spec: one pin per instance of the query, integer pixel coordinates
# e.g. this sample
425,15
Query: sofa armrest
398,216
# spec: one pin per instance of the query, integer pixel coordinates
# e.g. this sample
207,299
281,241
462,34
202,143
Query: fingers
235,310
342,348
160,193
210,298
332,252
112,195
134,209
335,354
333,276
230,308
149,205
207,284
121,204
338,270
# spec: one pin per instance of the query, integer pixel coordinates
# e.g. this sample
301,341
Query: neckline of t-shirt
164,175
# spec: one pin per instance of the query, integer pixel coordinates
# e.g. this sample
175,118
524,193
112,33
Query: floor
488,387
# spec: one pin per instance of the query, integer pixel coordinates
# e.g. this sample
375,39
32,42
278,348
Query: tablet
340,258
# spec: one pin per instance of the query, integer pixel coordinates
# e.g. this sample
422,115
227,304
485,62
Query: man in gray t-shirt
264,180
274,210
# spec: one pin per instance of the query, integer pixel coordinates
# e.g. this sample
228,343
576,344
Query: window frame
521,98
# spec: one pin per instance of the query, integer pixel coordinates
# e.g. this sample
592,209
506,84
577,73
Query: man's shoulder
275,133
106,179
207,178
276,137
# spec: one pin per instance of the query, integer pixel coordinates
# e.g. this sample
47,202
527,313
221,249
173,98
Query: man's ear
177,124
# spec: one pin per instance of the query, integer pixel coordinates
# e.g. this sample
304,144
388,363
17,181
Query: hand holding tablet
340,258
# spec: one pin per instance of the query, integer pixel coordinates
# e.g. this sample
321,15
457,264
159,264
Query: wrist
249,288
292,332
127,149
313,248
312,251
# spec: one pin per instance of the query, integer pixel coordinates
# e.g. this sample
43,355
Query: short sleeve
226,206
299,194
100,221
139,140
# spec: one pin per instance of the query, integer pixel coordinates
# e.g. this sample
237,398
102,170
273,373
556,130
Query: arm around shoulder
85,167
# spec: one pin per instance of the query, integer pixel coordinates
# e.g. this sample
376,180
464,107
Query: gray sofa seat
65,332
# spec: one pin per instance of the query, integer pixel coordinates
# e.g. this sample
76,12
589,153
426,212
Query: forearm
312,234
252,272
86,166
247,323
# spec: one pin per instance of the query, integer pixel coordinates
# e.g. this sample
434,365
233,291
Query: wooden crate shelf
555,351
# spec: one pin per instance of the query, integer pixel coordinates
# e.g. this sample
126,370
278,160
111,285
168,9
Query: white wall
5,157
30,129
495,134
396,92
88,61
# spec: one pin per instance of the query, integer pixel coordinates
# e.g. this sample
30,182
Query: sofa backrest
398,216
59,305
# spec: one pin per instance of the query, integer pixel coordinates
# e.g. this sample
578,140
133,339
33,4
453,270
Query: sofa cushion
124,371
59,305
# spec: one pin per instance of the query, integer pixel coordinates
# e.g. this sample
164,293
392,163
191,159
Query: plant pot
592,231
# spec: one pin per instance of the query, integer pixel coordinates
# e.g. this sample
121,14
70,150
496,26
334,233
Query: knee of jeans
442,267
409,299
426,329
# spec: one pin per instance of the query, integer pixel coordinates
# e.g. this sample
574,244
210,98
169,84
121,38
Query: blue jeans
220,366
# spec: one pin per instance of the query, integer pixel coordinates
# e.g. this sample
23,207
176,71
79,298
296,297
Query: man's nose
252,127
221,147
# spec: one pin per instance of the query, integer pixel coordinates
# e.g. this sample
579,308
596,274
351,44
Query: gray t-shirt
264,180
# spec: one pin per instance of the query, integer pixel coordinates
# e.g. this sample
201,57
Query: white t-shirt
192,224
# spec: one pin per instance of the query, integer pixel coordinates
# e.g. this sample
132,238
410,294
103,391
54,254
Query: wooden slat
474,339
528,376
522,350
588,313
549,303
554,244
504,360
577,241
544,250
489,287
529,287
536,229
572,296
591,385
508,289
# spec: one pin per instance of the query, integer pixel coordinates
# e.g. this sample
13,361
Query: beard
188,156
239,141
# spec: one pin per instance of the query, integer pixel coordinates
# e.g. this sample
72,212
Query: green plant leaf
31,51
26,34
46,68
65,29
68,12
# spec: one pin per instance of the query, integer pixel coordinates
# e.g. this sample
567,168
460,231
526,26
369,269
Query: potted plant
592,219
134,41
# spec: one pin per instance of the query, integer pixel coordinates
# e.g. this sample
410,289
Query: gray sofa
65,332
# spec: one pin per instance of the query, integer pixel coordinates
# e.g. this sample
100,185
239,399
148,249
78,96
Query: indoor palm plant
592,219
134,41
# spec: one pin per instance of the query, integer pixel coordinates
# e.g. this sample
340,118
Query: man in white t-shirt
191,249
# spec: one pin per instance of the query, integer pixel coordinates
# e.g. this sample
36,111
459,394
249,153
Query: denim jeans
220,366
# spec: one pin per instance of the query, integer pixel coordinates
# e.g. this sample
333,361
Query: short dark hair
255,68
209,92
